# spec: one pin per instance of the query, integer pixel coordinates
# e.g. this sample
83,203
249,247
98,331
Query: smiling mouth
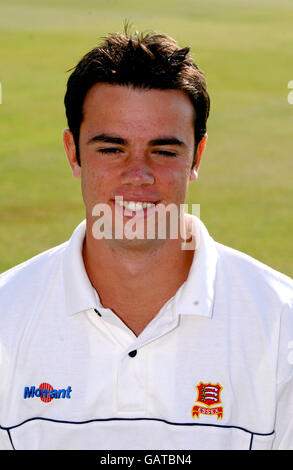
135,206
131,208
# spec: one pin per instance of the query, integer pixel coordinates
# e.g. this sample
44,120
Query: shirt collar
79,292
194,297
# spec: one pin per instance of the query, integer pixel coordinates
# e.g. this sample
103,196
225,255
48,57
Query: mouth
135,208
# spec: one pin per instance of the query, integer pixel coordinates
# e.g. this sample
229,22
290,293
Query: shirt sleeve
284,394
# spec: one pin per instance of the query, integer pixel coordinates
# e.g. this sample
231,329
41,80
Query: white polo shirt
213,370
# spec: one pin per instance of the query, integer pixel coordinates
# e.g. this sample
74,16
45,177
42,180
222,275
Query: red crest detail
208,393
45,386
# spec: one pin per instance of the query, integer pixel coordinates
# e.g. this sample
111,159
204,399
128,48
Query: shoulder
247,273
31,267
261,300
22,285
23,290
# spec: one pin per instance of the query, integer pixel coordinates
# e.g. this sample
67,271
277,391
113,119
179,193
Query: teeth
134,205
148,204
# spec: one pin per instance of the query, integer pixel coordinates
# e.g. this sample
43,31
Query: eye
111,150
165,153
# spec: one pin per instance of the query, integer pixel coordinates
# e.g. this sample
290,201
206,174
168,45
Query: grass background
245,48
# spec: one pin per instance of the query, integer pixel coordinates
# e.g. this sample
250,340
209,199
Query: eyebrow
109,139
167,141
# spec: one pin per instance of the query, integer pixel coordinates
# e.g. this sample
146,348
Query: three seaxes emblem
208,395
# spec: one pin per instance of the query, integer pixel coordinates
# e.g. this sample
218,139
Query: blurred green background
245,49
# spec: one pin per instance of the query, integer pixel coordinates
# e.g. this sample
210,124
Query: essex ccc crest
208,395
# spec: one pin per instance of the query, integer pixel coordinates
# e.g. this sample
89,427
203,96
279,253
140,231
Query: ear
198,156
70,150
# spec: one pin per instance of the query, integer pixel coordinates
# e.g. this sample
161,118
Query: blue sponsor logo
46,393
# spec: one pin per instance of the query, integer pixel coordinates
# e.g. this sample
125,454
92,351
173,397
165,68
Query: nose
137,172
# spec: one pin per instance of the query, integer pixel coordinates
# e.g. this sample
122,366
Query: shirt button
132,353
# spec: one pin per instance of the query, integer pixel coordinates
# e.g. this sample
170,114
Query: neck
135,281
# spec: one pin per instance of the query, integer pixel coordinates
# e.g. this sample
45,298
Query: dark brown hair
150,61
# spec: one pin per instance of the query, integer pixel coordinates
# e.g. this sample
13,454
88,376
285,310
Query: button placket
131,382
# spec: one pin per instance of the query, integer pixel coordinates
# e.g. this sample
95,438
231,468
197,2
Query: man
111,341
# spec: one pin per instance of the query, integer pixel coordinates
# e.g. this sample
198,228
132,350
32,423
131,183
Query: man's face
135,144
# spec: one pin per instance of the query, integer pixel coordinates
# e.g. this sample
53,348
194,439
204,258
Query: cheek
175,186
177,177
95,185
